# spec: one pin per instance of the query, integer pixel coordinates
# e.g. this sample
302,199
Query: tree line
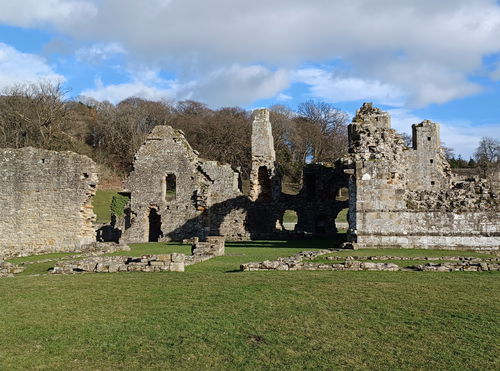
38,115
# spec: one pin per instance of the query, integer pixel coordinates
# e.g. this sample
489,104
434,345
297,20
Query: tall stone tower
265,182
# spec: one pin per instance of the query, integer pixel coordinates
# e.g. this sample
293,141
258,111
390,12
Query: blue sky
426,59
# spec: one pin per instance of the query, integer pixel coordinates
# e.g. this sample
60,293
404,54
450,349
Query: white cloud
99,52
426,49
328,86
17,67
282,97
143,83
238,85
62,13
462,136
223,87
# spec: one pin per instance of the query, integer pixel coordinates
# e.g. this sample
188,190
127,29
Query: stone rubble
174,262
297,263
389,257
9,269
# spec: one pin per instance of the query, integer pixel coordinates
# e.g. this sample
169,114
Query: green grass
342,216
290,216
102,205
35,258
211,317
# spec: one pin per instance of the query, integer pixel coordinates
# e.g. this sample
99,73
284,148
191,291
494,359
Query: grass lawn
101,203
342,216
212,317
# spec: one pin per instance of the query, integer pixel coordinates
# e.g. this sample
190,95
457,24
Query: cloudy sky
418,59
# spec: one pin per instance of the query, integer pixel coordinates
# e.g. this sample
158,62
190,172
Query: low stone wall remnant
296,263
432,258
111,264
9,269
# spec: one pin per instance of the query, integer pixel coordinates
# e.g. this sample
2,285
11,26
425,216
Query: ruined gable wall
165,152
45,201
401,198
199,184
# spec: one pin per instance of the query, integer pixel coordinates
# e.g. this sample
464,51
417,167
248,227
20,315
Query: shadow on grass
334,242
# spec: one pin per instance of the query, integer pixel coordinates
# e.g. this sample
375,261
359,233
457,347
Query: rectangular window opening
170,187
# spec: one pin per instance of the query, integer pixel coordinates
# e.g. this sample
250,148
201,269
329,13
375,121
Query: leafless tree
330,140
487,155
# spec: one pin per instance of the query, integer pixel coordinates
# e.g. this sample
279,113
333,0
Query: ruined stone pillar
265,182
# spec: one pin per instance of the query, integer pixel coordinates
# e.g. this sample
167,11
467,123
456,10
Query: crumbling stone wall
45,200
158,213
408,197
265,181
208,200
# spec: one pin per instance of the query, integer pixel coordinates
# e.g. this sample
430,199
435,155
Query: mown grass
342,216
102,205
290,216
211,317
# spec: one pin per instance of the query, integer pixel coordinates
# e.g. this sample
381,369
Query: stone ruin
45,201
408,196
175,195
399,196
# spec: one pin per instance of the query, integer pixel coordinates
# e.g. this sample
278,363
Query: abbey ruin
408,197
176,195
46,201
399,196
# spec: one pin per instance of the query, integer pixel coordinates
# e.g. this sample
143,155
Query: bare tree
331,140
32,115
487,154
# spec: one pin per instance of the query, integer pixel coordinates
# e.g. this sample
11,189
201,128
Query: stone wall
9,269
208,200
408,197
164,210
265,181
299,262
111,264
45,201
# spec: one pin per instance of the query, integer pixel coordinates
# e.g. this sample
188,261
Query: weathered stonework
45,201
173,190
265,181
208,201
111,264
408,197
297,263
214,246
9,269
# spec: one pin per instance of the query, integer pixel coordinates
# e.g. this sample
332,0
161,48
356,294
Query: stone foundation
9,269
111,264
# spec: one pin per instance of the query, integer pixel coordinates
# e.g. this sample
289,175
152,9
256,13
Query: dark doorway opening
154,225
310,185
